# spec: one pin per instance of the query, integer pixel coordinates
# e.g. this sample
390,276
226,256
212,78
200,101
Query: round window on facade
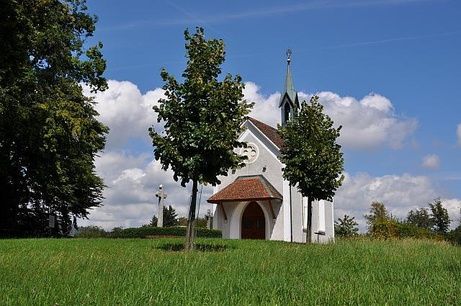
251,152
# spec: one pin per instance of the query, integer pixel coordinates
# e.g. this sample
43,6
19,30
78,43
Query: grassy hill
138,271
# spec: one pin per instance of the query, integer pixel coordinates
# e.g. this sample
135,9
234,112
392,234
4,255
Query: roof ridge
259,121
270,132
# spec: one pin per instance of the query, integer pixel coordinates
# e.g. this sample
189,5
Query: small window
287,111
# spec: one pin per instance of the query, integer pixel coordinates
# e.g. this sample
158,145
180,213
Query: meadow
142,272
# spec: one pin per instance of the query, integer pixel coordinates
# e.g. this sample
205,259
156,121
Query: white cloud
453,207
367,123
431,161
400,194
265,109
458,133
131,184
126,111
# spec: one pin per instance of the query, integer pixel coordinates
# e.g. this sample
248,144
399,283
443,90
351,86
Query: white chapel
255,202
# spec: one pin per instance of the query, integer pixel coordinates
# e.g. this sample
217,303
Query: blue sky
404,53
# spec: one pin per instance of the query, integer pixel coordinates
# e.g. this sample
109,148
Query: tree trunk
189,244
309,221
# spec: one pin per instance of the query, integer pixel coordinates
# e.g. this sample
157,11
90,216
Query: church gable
262,157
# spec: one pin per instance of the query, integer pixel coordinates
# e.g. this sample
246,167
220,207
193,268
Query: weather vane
289,55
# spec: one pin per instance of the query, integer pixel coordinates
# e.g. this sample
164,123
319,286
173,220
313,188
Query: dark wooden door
253,222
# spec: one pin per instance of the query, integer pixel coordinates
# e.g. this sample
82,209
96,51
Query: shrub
143,232
387,229
91,232
407,230
384,229
455,236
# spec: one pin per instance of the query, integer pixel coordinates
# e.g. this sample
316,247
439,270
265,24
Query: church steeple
289,102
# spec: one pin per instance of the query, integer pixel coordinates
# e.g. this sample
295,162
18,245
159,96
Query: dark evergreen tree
346,227
170,217
420,218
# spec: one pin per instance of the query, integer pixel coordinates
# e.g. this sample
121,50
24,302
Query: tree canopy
49,134
313,160
420,218
378,213
439,217
202,118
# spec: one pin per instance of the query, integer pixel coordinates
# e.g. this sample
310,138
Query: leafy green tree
378,213
202,118
313,160
420,218
49,134
439,217
346,227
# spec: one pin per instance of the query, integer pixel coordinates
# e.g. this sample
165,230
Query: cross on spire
289,99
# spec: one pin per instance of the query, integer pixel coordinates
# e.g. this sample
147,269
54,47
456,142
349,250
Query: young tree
439,217
313,160
49,134
346,227
202,119
420,218
378,213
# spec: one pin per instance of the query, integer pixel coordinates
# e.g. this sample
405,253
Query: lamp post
161,195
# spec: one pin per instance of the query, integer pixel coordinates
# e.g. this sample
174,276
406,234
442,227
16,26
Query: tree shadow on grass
201,247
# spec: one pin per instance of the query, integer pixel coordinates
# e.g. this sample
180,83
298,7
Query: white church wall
286,211
277,231
322,221
297,215
219,222
329,221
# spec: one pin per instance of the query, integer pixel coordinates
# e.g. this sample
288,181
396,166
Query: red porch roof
246,188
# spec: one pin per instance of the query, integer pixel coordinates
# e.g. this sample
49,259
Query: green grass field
138,272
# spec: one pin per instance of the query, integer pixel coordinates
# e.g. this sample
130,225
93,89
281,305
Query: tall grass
140,272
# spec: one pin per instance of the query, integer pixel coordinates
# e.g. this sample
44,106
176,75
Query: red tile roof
268,131
246,188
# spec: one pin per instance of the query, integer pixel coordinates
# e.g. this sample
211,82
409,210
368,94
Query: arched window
287,111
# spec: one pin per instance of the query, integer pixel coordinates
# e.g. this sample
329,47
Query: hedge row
143,232
394,229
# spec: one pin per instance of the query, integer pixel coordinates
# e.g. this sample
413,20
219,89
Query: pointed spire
289,85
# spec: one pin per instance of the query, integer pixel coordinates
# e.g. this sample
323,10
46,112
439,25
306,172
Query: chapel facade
255,201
